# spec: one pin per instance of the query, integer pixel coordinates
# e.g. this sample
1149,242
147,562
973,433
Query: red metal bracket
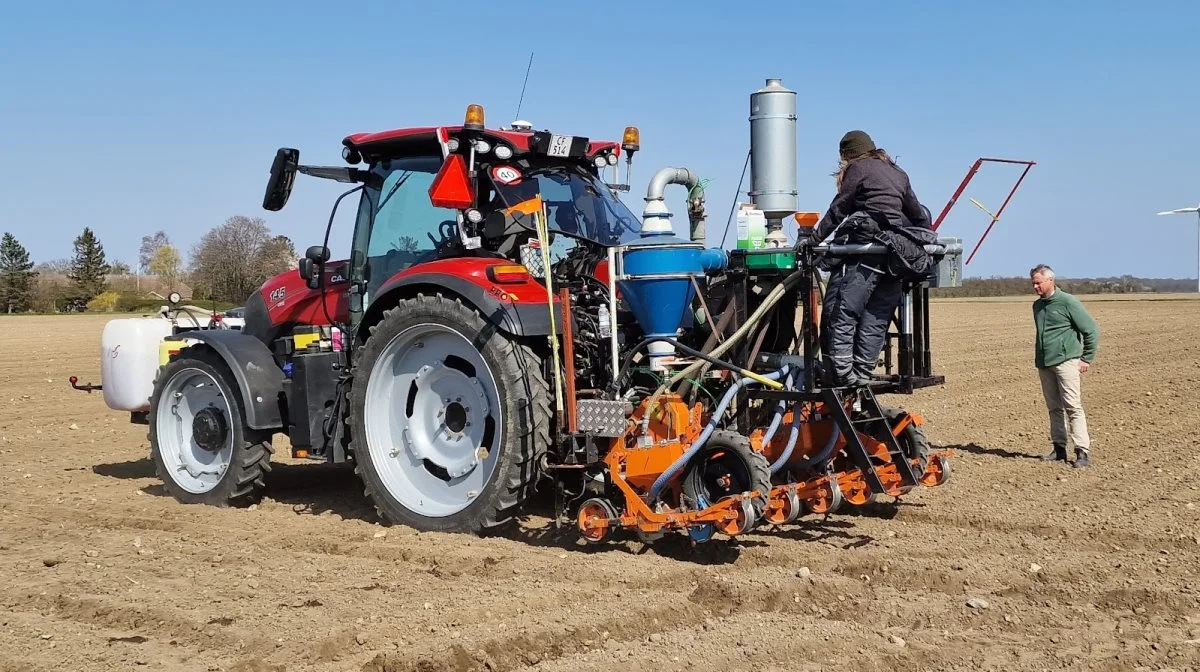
995,217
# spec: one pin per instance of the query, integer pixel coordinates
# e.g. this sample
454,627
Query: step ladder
871,417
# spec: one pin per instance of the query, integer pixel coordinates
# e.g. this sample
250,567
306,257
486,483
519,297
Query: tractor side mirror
319,254
313,280
312,266
283,175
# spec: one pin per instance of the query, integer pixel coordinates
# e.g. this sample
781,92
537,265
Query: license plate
560,145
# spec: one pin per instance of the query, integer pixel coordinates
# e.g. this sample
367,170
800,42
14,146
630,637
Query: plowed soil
1015,564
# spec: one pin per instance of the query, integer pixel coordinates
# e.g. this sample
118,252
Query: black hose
628,360
696,353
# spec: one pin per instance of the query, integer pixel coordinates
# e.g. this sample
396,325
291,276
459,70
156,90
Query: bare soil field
1015,564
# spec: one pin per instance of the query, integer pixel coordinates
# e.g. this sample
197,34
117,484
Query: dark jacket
879,188
876,204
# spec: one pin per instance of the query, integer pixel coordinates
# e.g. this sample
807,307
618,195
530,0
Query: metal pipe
996,217
926,337
658,183
918,329
682,176
879,248
564,300
957,192
612,309
906,336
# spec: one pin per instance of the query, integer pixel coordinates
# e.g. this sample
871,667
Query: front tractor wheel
199,442
449,418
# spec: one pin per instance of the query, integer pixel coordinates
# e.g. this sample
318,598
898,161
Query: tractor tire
199,442
727,454
449,417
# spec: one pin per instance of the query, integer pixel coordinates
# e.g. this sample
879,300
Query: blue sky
131,117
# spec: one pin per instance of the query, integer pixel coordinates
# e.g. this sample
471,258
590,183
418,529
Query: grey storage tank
773,152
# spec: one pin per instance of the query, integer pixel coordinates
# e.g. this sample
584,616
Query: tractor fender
259,379
527,318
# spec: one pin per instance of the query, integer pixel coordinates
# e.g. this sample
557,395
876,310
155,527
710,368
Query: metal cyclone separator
656,280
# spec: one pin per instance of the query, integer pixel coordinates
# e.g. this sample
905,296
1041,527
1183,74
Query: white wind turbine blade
1180,211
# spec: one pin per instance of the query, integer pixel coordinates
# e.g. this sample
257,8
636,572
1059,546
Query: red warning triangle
452,188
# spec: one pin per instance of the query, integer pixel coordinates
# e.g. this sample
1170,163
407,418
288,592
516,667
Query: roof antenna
517,116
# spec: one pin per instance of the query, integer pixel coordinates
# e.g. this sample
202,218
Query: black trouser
859,304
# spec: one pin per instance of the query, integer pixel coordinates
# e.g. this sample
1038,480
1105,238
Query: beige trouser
1060,387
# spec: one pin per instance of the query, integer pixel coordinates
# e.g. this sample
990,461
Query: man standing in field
1064,347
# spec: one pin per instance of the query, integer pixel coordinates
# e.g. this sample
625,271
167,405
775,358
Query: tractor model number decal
278,295
506,175
500,293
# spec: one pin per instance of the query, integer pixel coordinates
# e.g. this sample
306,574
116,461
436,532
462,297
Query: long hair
844,163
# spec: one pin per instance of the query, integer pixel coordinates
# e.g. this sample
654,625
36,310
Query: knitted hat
855,144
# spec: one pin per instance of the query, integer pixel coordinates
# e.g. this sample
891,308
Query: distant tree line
227,265
1020,286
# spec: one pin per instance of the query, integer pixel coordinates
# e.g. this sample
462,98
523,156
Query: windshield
577,205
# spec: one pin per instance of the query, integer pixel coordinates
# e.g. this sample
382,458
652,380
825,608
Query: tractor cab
467,194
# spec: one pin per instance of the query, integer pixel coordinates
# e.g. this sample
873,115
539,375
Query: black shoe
1059,455
1081,458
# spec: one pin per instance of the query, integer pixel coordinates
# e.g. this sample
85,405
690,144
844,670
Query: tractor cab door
397,226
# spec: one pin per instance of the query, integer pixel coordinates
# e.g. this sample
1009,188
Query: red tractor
502,320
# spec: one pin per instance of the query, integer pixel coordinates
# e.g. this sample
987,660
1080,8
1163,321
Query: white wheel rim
192,467
433,420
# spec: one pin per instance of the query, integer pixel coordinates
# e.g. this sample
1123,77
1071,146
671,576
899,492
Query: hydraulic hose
789,383
826,451
673,470
822,456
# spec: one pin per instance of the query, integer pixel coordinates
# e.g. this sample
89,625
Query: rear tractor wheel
199,442
449,418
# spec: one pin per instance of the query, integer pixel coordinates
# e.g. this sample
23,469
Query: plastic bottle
602,315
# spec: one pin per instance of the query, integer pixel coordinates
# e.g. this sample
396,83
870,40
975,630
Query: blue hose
779,408
687,456
822,456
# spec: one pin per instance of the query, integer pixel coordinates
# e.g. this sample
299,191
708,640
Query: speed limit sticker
506,175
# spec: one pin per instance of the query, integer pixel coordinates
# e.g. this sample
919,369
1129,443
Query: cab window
400,226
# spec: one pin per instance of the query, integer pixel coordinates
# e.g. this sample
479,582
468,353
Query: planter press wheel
595,510
790,510
937,472
830,499
858,494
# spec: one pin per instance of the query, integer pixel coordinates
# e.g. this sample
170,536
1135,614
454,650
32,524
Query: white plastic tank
751,228
129,360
